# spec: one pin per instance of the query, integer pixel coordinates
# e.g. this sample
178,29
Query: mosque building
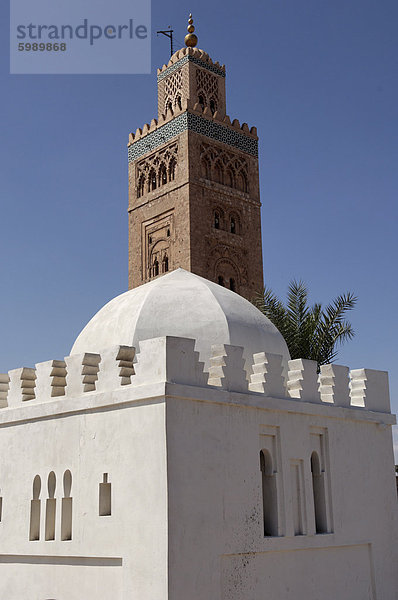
178,452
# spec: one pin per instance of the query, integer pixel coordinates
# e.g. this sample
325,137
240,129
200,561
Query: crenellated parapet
174,360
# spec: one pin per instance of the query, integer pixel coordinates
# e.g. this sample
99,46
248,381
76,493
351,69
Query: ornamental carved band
197,61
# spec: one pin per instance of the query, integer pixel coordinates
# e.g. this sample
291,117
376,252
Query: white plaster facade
182,449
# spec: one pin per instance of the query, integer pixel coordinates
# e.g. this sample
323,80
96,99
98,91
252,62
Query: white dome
185,305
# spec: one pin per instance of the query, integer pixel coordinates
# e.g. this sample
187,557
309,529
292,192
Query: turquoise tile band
210,129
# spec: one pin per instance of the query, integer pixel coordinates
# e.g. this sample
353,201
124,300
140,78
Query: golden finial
190,39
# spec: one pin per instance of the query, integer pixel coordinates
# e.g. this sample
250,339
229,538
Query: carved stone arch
202,99
242,181
218,171
152,179
157,254
227,270
235,258
162,174
141,185
210,156
213,104
205,167
229,177
172,168
224,158
218,218
168,105
146,167
234,222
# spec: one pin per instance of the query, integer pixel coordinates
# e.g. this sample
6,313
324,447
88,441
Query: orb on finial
190,39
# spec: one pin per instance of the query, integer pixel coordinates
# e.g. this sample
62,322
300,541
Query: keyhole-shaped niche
50,507
66,508
34,529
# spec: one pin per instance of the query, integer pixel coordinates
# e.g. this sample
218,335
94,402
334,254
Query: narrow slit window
318,489
105,497
269,493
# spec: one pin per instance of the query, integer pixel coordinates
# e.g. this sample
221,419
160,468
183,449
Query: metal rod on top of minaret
168,33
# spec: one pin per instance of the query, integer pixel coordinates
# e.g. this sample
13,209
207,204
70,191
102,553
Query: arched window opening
165,263
212,106
179,103
217,220
270,503
233,225
168,233
34,529
66,508
50,507
162,175
241,182
155,267
201,101
221,280
172,169
318,488
141,186
218,172
232,285
152,180
170,107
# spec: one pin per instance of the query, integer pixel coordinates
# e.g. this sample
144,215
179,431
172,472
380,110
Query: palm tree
309,331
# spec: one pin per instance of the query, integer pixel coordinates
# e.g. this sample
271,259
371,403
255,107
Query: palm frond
309,332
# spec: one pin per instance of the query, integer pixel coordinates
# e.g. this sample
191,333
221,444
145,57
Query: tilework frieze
198,124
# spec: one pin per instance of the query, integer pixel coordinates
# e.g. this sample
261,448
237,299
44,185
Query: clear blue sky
319,80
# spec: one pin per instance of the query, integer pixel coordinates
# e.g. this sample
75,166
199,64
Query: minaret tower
193,181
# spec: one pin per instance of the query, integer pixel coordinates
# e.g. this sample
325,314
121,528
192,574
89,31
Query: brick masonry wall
186,207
